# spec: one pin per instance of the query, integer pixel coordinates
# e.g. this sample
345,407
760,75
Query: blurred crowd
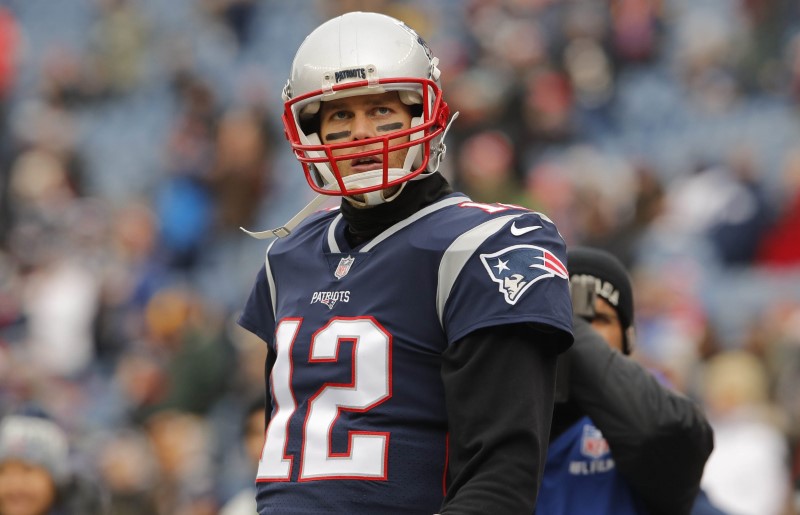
137,136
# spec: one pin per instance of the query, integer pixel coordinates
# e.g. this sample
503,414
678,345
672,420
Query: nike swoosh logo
519,231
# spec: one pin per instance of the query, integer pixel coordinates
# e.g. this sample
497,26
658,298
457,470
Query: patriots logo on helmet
421,41
515,269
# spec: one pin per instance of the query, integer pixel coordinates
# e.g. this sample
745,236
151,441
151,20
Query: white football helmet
362,53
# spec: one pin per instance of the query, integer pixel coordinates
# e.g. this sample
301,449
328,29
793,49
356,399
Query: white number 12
371,384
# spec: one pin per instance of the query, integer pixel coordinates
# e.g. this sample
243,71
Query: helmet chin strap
374,198
360,180
287,228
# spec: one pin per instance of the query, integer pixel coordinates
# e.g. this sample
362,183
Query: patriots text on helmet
352,73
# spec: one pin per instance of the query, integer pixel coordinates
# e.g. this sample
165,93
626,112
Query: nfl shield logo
344,266
593,445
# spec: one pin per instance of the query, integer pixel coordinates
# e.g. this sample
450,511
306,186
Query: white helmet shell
362,53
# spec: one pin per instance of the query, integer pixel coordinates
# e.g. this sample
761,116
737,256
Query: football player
412,333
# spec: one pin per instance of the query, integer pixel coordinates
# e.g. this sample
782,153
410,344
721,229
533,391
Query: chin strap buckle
287,228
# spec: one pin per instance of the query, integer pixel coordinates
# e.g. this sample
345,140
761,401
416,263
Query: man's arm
660,440
499,385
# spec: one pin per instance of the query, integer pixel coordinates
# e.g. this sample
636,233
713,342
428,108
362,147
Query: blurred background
137,136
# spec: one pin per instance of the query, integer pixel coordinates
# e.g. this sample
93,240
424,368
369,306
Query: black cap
612,282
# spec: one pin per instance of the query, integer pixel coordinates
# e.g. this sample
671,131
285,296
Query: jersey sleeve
509,269
258,313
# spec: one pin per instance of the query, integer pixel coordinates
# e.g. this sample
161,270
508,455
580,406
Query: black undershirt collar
363,224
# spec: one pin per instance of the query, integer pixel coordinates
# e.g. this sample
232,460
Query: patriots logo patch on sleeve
515,269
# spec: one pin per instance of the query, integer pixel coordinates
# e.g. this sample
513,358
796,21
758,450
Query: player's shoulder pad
522,222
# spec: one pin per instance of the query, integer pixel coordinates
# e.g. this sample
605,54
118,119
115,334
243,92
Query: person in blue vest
621,442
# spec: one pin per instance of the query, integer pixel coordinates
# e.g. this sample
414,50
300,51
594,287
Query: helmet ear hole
310,125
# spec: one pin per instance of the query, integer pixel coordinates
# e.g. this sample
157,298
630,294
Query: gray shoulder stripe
411,219
334,248
457,255
271,279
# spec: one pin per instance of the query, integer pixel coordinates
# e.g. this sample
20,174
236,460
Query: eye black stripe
390,127
337,135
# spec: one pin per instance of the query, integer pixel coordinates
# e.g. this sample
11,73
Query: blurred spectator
622,237
60,295
331,8
547,106
252,434
46,169
70,80
720,206
187,338
486,161
780,245
590,73
181,444
705,57
241,173
127,465
236,16
251,355
738,234
672,322
61,300
9,55
40,188
35,473
636,28
183,201
747,473
775,340
552,191
119,42
9,43
131,275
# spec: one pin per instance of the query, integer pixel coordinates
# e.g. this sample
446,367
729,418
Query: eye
600,320
383,111
339,115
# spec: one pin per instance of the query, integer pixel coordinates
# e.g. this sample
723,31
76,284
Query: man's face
607,323
361,117
25,489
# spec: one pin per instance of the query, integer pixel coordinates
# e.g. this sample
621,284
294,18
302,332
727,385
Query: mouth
365,164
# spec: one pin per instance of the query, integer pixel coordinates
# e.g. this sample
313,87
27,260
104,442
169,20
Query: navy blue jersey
358,424
580,476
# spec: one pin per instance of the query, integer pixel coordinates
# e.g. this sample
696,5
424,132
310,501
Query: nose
362,127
